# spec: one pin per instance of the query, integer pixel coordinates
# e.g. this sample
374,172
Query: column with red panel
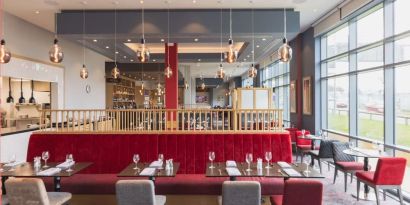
171,84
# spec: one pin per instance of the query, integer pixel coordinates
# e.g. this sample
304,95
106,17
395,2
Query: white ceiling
208,70
41,12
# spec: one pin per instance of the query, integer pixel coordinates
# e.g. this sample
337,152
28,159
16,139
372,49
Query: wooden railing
157,120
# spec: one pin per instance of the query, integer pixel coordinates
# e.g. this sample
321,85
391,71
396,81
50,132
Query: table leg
57,184
3,181
367,196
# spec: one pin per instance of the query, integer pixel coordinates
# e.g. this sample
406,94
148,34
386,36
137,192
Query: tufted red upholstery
292,133
350,165
303,141
389,171
300,192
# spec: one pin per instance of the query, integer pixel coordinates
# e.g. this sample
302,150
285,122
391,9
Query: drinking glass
69,158
249,159
320,133
307,161
136,159
161,160
211,158
11,161
45,156
268,157
303,132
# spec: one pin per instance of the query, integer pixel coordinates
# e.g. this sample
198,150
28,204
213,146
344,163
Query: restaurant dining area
204,102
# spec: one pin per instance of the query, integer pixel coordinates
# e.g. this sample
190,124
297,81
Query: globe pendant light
231,55
143,52
203,86
10,99
84,70
285,51
5,54
252,72
115,72
32,99
220,73
21,99
168,71
56,54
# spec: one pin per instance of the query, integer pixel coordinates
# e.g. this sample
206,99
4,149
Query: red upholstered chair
388,175
300,192
303,146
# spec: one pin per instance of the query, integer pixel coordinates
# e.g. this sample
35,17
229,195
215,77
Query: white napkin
284,165
233,171
291,172
148,172
230,163
156,164
49,172
65,165
16,163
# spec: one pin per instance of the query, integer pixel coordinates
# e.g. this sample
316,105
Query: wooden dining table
129,171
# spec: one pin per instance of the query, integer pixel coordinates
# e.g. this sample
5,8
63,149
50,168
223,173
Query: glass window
338,104
370,103
370,28
338,66
402,16
402,49
370,58
402,105
338,42
406,181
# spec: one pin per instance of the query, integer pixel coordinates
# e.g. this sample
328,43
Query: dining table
135,170
313,138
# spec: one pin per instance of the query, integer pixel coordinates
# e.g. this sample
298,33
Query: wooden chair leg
345,181
334,178
376,191
400,195
358,190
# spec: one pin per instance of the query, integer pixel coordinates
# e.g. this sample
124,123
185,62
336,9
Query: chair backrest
302,191
26,191
338,155
135,192
302,141
326,149
390,171
241,192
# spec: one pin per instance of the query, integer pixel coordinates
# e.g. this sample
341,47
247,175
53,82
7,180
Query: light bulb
203,86
115,72
252,72
5,54
142,86
143,52
168,72
220,73
231,55
285,52
186,85
84,72
56,54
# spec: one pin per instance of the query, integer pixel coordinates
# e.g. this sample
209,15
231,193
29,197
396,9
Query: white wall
219,98
28,40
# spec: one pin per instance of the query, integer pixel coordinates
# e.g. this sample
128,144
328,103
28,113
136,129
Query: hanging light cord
168,35
55,26
84,35
143,29
221,34
284,17
253,39
230,23
115,35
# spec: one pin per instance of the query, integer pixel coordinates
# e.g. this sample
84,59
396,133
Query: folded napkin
149,171
284,165
49,172
156,164
65,165
233,171
13,164
291,172
230,163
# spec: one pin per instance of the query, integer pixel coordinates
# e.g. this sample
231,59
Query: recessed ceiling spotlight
248,56
37,12
142,1
107,47
244,59
116,52
154,60
199,60
263,39
132,60
162,40
257,46
95,40
125,56
129,40
196,40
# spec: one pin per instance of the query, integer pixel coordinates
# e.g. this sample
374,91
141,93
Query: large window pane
370,28
402,106
406,181
338,42
402,16
370,58
338,104
402,49
338,66
370,102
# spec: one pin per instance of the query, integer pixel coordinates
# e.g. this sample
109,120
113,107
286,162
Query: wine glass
249,159
320,133
12,160
45,156
303,132
161,159
268,157
70,160
136,159
306,161
211,158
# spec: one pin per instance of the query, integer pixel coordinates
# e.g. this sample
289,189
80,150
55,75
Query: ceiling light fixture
263,39
32,99
129,40
162,40
37,12
231,55
196,40
10,99
115,72
84,70
143,52
168,70
95,40
220,73
107,47
21,99
5,54
55,53
252,72
285,51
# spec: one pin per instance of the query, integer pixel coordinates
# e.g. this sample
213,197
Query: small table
366,154
311,137
27,170
274,172
129,171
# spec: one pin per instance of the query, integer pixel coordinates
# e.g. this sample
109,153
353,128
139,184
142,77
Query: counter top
13,130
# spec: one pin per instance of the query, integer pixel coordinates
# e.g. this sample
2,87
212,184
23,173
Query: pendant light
252,72
115,72
10,99
142,78
84,70
202,86
143,52
186,85
56,54
32,99
220,73
5,54
21,99
285,51
168,71
231,55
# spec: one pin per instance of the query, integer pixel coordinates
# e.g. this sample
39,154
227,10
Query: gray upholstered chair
325,153
240,192
137,192
22,191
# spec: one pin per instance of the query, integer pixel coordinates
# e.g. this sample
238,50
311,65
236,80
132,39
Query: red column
171,84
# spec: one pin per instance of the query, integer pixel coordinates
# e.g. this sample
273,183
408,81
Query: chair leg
301,157
376,190
345,181
297,153
358,190
320,165
384,195
400,195
334,178
351,177
328,166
